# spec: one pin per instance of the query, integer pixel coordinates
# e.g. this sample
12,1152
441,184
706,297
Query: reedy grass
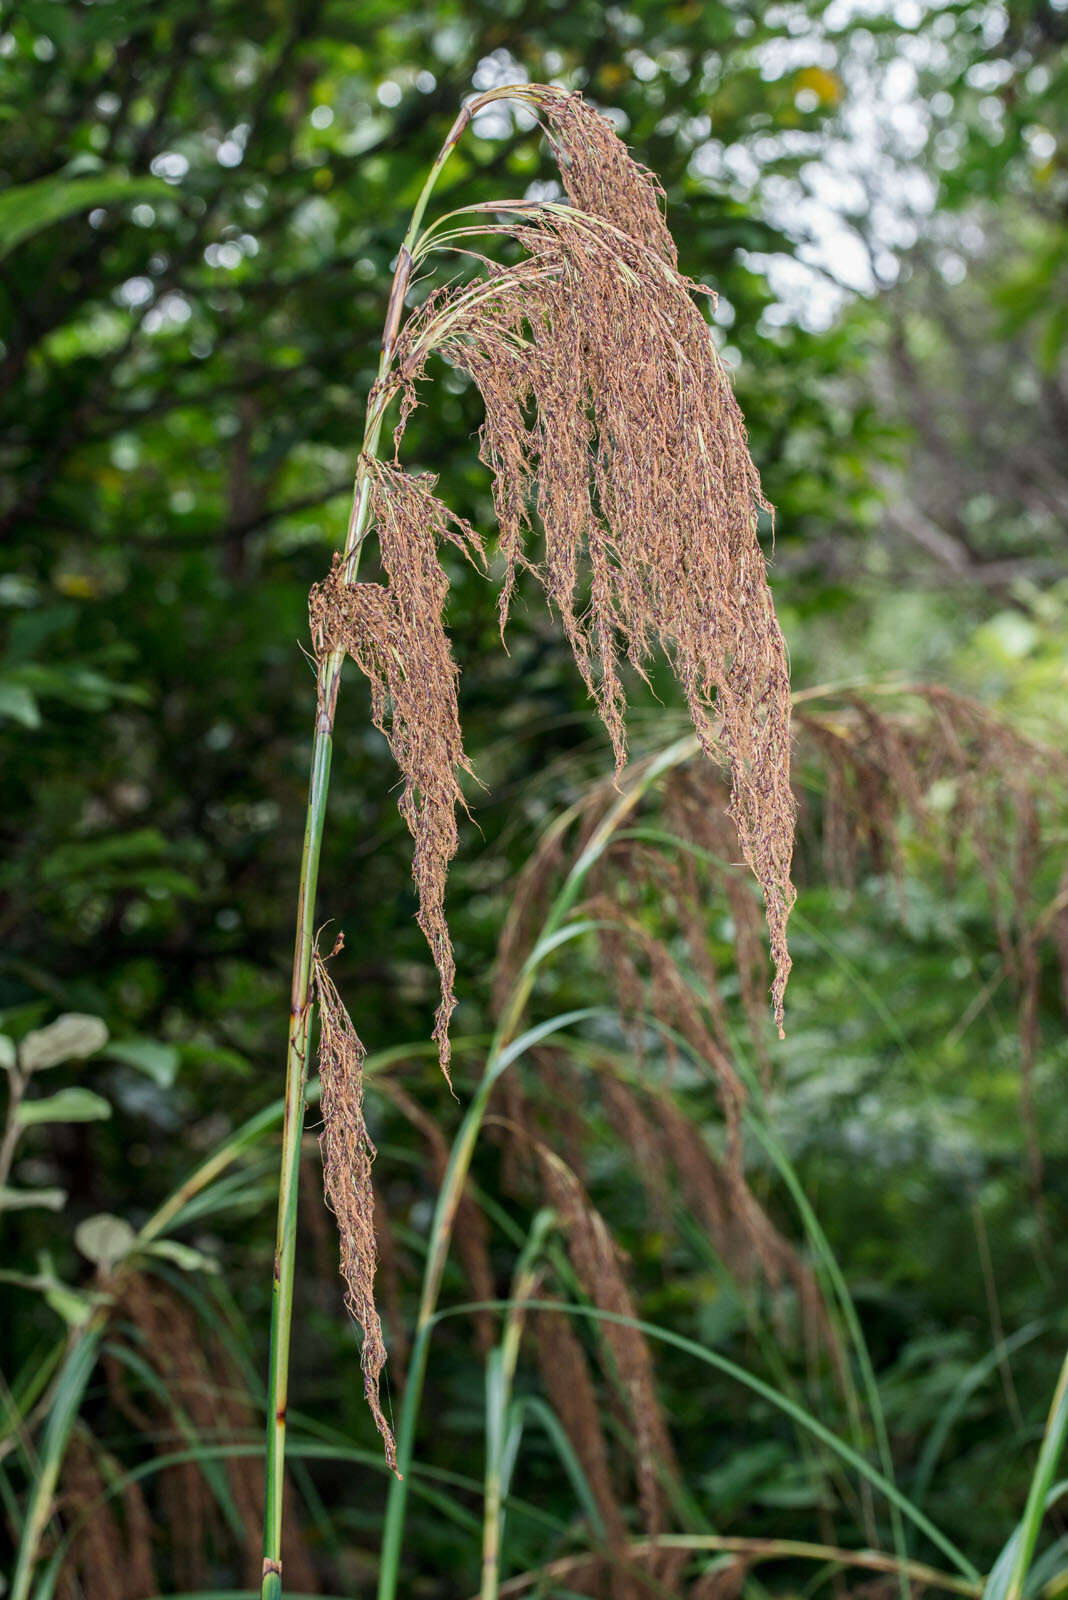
562,924
596,305
774,1397
200,1188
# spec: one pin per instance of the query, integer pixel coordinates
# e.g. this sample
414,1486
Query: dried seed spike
347,1157
396,636
200,1386
596,1261
565,1372
108,1558
607,408
601,176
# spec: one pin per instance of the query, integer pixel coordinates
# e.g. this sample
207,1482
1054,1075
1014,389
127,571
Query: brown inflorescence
609,416
884,765
347,1157
107,1558
609,421
200,1395
596,1260
395,634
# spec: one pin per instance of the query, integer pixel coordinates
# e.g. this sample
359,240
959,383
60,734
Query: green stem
300,1009
1048,1456
500,1416
292,1129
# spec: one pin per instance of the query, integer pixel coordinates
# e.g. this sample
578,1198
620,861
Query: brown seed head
608,412
396,636
347,1157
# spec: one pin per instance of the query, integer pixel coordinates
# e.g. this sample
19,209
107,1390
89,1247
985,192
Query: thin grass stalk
756,1550
300,1008
1031,1523
500,1419
70,1390
502,1052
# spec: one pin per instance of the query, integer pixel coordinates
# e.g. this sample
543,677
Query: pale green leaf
17,702
28,1199
69,1105
71,1037
157,1061
74,1308
184,1256
104,1239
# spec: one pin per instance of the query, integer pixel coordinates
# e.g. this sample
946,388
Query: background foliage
198,215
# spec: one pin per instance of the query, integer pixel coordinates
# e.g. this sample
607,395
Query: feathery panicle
883,767
396,636
607,410
200,1394
741,1231
347,1157
595,1258
571,1392
108,1559
570,1389
671,1002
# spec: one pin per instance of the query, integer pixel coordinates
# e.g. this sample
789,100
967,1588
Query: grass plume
347,1157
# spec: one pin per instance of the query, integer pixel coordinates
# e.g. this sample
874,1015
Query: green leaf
1010,1571
104,1239
67,1398
28,1199
74,1308
157,1061
183,1256
30,207
71,1037
19,703
69,1105
7,1053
